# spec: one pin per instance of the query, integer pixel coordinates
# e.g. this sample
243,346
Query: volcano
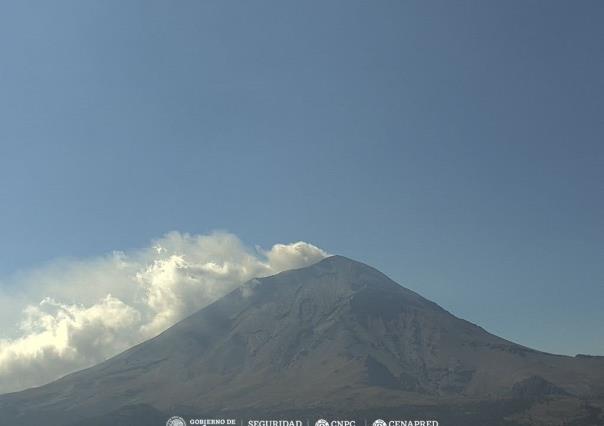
337,338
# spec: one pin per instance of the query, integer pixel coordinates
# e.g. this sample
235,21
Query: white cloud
76,313
289,256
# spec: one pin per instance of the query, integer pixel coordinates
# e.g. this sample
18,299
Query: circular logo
176,421
321,422
379,422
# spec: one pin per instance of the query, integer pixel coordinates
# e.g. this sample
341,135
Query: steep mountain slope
332,336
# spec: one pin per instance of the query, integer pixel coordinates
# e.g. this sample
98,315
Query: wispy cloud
75,313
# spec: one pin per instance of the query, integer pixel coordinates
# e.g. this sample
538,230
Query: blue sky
456,146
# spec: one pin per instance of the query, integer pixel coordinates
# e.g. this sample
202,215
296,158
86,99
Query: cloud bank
76,313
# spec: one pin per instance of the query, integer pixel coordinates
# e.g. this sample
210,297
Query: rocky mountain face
336,337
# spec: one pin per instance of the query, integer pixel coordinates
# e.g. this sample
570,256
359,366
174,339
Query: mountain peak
341,265
337,260
358,275
332,335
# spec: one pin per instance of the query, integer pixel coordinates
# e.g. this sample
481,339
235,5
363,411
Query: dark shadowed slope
331,336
